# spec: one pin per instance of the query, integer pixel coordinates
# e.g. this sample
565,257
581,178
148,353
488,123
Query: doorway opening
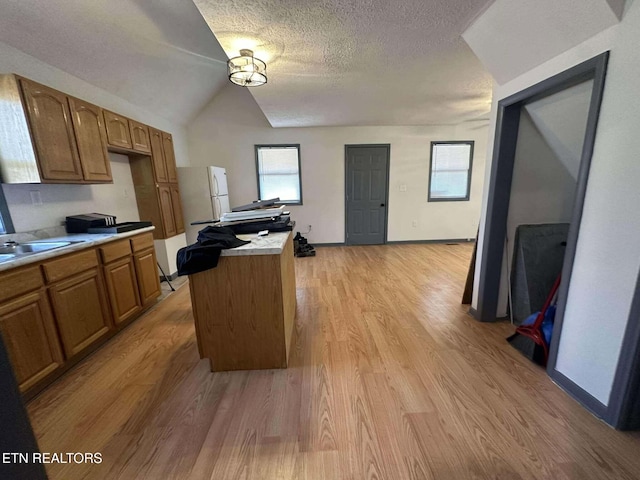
521,111
366,194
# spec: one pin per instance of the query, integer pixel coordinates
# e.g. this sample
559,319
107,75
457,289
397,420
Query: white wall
225,132
608,252
62,200
58,201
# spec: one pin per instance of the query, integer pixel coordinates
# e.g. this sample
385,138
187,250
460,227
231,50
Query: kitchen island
244,309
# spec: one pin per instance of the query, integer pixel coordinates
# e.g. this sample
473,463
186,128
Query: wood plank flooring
389,378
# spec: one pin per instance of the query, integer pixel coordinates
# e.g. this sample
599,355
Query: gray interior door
367,173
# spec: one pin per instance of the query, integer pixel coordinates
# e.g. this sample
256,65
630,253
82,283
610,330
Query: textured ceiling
159,54
358,62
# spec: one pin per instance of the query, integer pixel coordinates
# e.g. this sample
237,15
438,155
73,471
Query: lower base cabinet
54,313
123,292
81,309
147,274
30,335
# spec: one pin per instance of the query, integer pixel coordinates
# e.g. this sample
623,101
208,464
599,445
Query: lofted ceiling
158,54
358,62
330,62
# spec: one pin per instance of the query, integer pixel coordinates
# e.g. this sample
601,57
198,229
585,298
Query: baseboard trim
446,240
171,277
474,313
329,244
580,395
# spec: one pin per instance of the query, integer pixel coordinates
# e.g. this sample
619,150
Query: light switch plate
403,187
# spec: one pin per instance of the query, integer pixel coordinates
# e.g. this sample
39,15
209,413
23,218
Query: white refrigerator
204,195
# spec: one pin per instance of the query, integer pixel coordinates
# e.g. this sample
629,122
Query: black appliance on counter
100,223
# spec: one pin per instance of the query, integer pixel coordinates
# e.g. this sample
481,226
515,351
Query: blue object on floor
547,323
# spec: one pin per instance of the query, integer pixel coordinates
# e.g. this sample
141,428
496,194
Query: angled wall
513,36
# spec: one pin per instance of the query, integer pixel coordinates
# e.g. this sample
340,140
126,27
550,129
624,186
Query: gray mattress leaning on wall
538,254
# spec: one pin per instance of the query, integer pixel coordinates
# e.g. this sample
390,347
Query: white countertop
85,240
272,244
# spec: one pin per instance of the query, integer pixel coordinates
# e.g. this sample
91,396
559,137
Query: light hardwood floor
389,378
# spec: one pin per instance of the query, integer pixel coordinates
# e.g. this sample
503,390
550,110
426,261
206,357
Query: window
278,168
450,171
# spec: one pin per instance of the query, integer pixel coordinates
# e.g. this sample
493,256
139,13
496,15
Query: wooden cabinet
27,325
91,138
118,132
52,133
146,269
157,157
123,293
163,157
79,301
140,137
244,309
54,313
176,204
81,310
68,135
158,198
169,157
166,210
121,280
132,275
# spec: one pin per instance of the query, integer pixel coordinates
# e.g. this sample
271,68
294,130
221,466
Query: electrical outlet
125,192
403,187
36,198
415,223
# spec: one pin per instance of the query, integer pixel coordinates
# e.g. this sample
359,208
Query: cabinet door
140,137
52,132
169,157
157,156
91,137
28,330
177,207
81,310
122,288
118,133
148,278
166,210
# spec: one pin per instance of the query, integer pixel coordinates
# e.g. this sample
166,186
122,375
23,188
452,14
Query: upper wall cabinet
169,157
140,137
91,138
68,136
163,157
118,132
52,131
157,157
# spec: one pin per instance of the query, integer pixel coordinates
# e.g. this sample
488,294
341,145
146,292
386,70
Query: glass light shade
246,70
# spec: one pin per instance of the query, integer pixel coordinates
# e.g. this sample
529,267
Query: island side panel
289,301
239,309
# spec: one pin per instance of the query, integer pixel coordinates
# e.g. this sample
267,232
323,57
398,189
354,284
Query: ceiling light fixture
246,70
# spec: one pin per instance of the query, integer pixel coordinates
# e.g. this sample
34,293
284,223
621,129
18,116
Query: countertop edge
58,252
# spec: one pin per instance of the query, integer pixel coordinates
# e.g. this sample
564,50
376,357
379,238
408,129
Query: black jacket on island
204,254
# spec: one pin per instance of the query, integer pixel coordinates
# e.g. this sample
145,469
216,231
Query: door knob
382,204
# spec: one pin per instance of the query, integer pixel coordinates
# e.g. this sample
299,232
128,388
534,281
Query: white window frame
282,146
467,195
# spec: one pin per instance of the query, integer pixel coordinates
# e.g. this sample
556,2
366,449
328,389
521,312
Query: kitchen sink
30,247
5,257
